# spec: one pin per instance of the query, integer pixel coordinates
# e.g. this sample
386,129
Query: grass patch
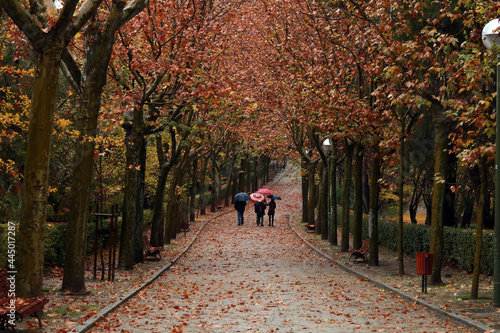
483,298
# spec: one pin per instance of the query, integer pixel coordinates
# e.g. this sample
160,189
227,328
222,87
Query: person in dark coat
260,210
240,208
270,212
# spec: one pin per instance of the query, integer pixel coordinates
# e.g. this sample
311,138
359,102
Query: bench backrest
365,245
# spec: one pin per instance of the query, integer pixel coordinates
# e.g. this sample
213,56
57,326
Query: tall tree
49,32
99,41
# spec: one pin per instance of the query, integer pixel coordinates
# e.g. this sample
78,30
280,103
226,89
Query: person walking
270,212
260,211
240,208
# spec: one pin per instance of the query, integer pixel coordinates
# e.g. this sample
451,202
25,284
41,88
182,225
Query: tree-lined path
265,279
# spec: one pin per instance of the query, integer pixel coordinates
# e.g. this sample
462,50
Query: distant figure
270,212
260,210
240,208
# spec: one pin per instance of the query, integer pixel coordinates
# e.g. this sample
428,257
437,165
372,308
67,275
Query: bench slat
24,307
361,253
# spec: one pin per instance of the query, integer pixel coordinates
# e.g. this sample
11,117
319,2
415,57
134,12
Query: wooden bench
185,225
310,227
150,251
361,253
14,309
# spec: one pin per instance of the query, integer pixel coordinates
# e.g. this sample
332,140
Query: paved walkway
265,279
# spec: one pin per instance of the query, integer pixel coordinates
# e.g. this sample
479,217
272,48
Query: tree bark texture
346,193
133,201
401,263
357,230
192,200
333,196
305,192
373,207
483,171
439,187
311,202
173,209
36,173
98,54
325,196
158,219
203,176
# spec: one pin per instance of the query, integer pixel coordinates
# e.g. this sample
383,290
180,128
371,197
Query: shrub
55,244
458,244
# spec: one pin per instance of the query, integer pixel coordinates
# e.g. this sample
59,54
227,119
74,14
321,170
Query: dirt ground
67,313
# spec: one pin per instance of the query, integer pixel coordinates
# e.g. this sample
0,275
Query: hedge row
55,241
459,244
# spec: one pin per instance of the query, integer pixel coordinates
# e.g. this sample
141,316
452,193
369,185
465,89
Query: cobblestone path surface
264,279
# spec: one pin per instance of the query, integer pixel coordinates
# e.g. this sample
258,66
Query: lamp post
491,40
327,148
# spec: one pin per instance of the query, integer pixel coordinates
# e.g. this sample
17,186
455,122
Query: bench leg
35,314
5,324
3,321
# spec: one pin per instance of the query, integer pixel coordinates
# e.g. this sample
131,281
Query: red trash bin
420,257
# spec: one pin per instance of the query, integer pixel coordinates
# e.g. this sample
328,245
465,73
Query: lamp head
490,35
327,146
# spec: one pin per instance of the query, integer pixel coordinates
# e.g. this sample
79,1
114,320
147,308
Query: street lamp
327,146
491,40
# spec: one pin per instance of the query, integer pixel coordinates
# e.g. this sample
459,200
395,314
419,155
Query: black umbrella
274,196
242,196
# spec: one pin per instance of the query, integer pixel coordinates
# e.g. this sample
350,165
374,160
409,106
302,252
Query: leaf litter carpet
265,279
242,279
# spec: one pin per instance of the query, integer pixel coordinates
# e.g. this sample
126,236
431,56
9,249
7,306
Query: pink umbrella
255,197
265,191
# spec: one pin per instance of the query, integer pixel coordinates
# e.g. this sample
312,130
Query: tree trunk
373,214
305,192
29,277
241,176
346,192
450,200
440,159
468,211
483,171
98,54
357,232
333,196
158,209
229,193
139,213
234,172
248,174
134,193
323,202
203,176
401,262
192,201
413,206
213,188
173,213
311,202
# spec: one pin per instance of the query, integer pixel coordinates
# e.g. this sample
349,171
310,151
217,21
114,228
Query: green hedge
459,244
55,242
